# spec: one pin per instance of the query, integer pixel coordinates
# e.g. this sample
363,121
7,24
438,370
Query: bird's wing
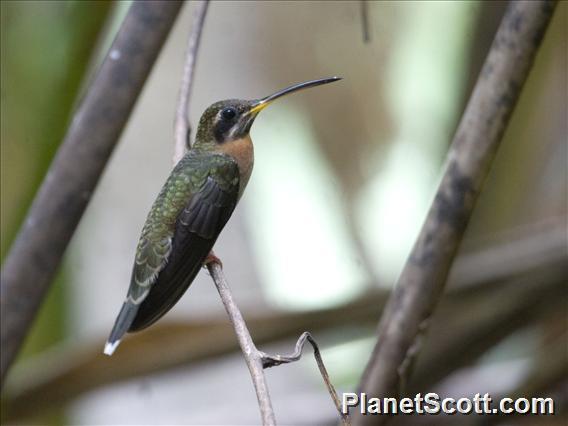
151,257
167,262
196,229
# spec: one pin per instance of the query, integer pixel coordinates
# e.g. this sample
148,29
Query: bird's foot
211,258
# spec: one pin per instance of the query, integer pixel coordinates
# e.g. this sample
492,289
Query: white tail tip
110,347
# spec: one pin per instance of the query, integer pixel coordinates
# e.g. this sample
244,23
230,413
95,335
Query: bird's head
232,119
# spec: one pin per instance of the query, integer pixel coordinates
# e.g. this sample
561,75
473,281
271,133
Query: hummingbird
191,210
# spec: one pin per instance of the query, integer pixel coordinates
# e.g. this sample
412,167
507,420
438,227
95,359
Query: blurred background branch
474,146
505,293
71,179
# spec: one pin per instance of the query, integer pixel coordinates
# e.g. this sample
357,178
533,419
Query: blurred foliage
45,48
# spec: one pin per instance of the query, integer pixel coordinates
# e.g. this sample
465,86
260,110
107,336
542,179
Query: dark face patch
223,121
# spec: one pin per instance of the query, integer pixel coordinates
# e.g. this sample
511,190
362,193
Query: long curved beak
264,102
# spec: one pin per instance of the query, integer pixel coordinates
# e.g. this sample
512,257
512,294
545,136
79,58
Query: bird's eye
228,113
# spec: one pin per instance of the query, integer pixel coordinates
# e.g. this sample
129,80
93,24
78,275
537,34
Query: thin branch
182,127
75,171
256,360
480,278
57,377
182,142
252,356
275,360
485,119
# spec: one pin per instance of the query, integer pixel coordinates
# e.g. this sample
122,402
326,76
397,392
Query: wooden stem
475,143
72,177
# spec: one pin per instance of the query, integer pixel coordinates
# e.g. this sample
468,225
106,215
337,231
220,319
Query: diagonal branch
485,119
72,177
257,361
252,356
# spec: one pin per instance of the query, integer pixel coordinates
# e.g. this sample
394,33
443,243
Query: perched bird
192,208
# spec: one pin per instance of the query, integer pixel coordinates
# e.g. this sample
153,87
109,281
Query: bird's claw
211,258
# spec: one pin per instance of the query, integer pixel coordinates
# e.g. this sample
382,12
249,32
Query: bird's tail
121,325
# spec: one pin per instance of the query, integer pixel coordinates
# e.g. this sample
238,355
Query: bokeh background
343,178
